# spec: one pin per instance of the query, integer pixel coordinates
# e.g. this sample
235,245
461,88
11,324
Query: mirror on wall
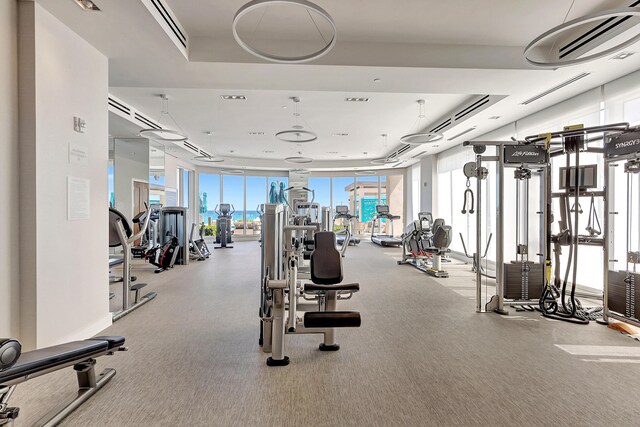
156,173
131,173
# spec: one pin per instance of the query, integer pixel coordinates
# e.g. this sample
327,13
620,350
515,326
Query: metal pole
607,236
500,232
478,254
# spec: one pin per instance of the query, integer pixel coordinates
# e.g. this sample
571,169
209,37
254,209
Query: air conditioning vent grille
162,10
146,121
119,105
555,88
191,147
473,107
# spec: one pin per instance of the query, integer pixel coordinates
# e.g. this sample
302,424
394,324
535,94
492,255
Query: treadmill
342,212
382,212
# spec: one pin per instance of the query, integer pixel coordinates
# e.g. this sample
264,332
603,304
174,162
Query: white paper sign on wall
78,154
78,198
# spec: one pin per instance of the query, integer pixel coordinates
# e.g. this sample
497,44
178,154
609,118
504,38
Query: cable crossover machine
549,199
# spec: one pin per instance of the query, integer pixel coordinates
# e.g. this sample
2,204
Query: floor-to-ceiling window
209,193
233,193
342,193
256,194
367,197
322,188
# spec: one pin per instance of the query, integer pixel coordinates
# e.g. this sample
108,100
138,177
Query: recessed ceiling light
256,133
351,99
268,151
332,152
494,117
233,171
623,55
435,146
87,5
339,134
236,97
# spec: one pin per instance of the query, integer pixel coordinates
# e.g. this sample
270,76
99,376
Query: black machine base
331,347
274,362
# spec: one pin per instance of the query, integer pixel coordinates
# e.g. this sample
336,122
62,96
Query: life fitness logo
626,144
525,154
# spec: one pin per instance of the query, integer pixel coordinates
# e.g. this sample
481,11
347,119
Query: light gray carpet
421,357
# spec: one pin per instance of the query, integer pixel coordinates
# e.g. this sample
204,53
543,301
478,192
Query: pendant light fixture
209,158
385,160
419,137
297,134
308,7
161,134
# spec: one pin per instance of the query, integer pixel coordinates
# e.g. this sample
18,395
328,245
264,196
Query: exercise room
319,213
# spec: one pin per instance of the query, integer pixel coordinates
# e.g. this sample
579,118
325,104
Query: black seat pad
50,357
326,261
343,287
113,341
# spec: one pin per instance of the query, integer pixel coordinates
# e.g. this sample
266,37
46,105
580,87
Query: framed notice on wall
78,198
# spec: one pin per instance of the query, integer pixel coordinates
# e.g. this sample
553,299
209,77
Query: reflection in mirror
131,175
156,173
110,172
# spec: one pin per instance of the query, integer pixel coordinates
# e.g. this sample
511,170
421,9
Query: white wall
9,215
64,271
428,187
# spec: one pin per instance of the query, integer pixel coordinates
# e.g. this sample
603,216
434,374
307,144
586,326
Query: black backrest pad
326,262
442,237
114,239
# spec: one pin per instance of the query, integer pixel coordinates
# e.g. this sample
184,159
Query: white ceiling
444,52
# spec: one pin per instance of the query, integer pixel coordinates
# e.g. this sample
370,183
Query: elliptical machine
198,248
344,237
224,235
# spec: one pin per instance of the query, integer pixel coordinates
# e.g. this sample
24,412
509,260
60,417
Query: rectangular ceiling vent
146,122
471,108
555,88
191,147
598,35
163,14
441,126
119,105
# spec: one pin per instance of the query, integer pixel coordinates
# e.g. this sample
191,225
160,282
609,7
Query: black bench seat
79,354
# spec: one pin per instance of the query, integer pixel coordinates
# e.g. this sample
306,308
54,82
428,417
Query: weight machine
576,182
296,298
622,261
